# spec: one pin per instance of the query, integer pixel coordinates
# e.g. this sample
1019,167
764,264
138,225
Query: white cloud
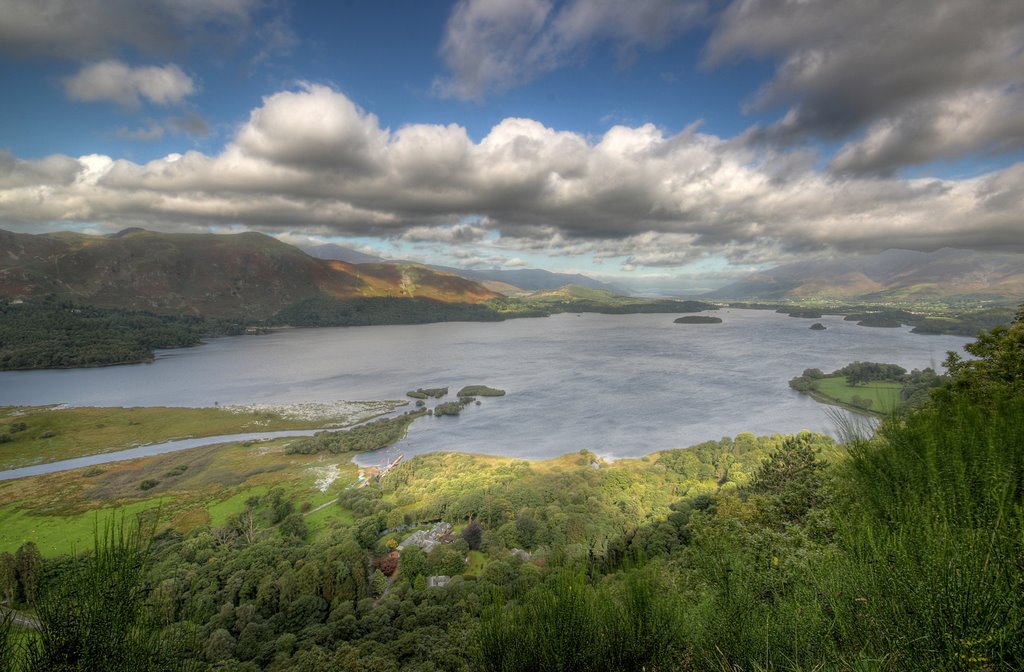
314,127
496,45
312,161
115,81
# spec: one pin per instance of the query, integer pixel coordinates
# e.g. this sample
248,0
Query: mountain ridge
520,279
245,275
893,275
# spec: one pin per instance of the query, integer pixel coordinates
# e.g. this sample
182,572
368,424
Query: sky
670,143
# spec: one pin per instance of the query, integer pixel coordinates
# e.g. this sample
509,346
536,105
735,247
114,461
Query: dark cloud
493,45
93,29
907,73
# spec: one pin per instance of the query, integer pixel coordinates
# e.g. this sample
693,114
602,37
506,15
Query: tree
219,646
294,527
999,367
791,477
412,562
378,583
29,565
473,533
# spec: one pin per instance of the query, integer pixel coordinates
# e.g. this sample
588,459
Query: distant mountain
896,275
532,279
339,253
524,279
245,275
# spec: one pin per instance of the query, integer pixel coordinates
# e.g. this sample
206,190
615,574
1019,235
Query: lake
618,385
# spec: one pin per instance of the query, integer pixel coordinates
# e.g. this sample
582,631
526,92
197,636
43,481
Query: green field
59,433
884,396
60,511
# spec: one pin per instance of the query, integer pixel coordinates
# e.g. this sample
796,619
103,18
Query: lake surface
619,385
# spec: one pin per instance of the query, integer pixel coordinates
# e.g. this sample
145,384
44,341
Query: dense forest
58,333
900,551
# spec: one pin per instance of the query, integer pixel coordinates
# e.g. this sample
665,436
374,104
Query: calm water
619,385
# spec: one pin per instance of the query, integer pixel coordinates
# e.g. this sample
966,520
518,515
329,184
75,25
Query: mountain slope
892,275
245,275
511,280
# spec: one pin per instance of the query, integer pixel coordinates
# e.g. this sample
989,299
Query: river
618,385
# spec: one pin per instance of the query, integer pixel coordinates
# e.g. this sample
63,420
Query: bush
149,484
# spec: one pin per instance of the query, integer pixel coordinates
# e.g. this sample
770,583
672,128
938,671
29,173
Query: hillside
893,275
505,281
247,276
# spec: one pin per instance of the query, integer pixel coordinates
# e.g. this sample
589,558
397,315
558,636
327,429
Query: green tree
792,477
378,582
999,367
29,565
294,527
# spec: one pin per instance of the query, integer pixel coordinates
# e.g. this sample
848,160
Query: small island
818,326
480,391
698,319
868,387
425,393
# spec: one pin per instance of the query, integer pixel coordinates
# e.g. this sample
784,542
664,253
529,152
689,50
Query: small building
525,556
438,581
428,540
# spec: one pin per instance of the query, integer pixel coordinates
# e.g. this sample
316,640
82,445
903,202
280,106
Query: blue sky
666,142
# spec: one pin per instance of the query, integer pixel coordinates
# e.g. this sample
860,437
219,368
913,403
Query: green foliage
94,616
294,527
28,563
378,582
148,484
426,393
448,408
999,368
859,373
569,624
932,528
370,436
381,310
7,643
792,478
56,333
480,391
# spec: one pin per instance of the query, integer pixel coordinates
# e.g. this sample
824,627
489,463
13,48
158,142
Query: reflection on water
619,385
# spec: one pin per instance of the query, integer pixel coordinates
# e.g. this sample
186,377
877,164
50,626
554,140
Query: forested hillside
899,552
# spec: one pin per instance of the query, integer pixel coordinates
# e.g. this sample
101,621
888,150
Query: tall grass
932,570
7,650
95,615
567,624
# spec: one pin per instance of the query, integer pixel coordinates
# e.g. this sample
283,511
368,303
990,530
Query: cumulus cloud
313,128
905,72
91,29
115,81
311,160
494,44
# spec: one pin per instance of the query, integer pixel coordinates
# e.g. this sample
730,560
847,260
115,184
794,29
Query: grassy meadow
53,433
884,396
194,488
